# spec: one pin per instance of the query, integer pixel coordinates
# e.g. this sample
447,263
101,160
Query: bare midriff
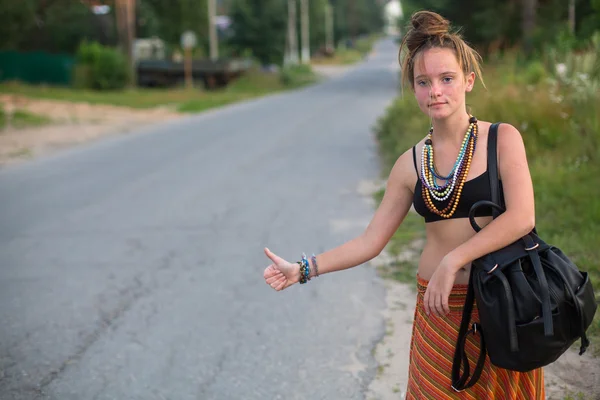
441,238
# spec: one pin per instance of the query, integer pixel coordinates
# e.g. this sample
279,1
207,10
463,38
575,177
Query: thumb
275,258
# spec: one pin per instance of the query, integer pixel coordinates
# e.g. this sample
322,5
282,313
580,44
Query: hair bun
428,30
429,23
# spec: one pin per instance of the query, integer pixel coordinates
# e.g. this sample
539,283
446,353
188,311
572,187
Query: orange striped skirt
432,350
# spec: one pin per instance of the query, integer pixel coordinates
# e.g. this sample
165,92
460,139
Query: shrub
100,67
296,75
365,43
535,73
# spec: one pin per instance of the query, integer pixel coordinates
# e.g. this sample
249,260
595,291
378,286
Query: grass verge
345,55
22,119
397,131
254,84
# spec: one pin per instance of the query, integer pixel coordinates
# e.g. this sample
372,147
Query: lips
436,104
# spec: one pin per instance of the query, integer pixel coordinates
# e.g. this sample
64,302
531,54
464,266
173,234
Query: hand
438,289
281,273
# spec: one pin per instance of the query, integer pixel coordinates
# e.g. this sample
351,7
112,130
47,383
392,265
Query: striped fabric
432,349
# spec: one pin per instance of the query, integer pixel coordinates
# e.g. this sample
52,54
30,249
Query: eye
421,83
447,79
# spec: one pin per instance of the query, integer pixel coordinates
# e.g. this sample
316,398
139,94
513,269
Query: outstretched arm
395,205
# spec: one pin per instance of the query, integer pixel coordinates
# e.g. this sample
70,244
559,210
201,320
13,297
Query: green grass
577,396
136,98
251,85
21,153
397,131
205,103
341,57
349,55
561,130
22,119
411,230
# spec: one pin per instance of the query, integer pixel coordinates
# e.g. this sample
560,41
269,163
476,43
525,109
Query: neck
451,129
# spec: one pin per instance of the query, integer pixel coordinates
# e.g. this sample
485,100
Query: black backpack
533,301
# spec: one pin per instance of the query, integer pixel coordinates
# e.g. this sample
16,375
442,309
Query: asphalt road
131,268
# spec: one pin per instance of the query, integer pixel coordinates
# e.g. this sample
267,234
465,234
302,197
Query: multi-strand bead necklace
455,181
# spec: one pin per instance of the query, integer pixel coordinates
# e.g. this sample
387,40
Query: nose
435,90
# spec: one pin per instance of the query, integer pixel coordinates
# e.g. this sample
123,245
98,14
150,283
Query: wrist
298,271
307,268
453,261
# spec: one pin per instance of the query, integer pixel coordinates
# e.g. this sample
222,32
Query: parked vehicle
213,74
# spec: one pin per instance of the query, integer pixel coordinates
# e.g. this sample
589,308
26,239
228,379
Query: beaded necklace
455,181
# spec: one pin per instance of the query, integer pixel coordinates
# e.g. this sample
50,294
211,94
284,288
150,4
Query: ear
470,81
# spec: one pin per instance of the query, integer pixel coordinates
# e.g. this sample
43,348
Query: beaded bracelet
302,279
314,262
304,269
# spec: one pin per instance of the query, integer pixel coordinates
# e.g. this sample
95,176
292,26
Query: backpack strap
492,162
459,382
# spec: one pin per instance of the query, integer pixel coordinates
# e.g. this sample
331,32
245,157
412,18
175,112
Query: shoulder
404,168
508,135
511,148
508,138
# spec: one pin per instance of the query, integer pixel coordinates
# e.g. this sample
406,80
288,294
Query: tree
497,24
260,26
317,23
147,21
528,27
357,17
51,25
176,16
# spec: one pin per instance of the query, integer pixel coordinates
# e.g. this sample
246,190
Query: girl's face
439,84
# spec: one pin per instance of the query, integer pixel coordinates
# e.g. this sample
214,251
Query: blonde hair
430,30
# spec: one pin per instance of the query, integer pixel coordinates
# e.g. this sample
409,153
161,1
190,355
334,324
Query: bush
535,73
100,67
364,44
297,75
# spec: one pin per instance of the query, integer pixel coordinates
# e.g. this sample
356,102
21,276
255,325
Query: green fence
36,67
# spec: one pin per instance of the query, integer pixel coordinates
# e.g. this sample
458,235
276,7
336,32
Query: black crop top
474,190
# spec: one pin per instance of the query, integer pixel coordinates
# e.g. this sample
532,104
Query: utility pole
292,34
125,14
329,27
212,30
572,16
304,20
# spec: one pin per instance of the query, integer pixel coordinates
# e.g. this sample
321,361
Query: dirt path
72,123
571,377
